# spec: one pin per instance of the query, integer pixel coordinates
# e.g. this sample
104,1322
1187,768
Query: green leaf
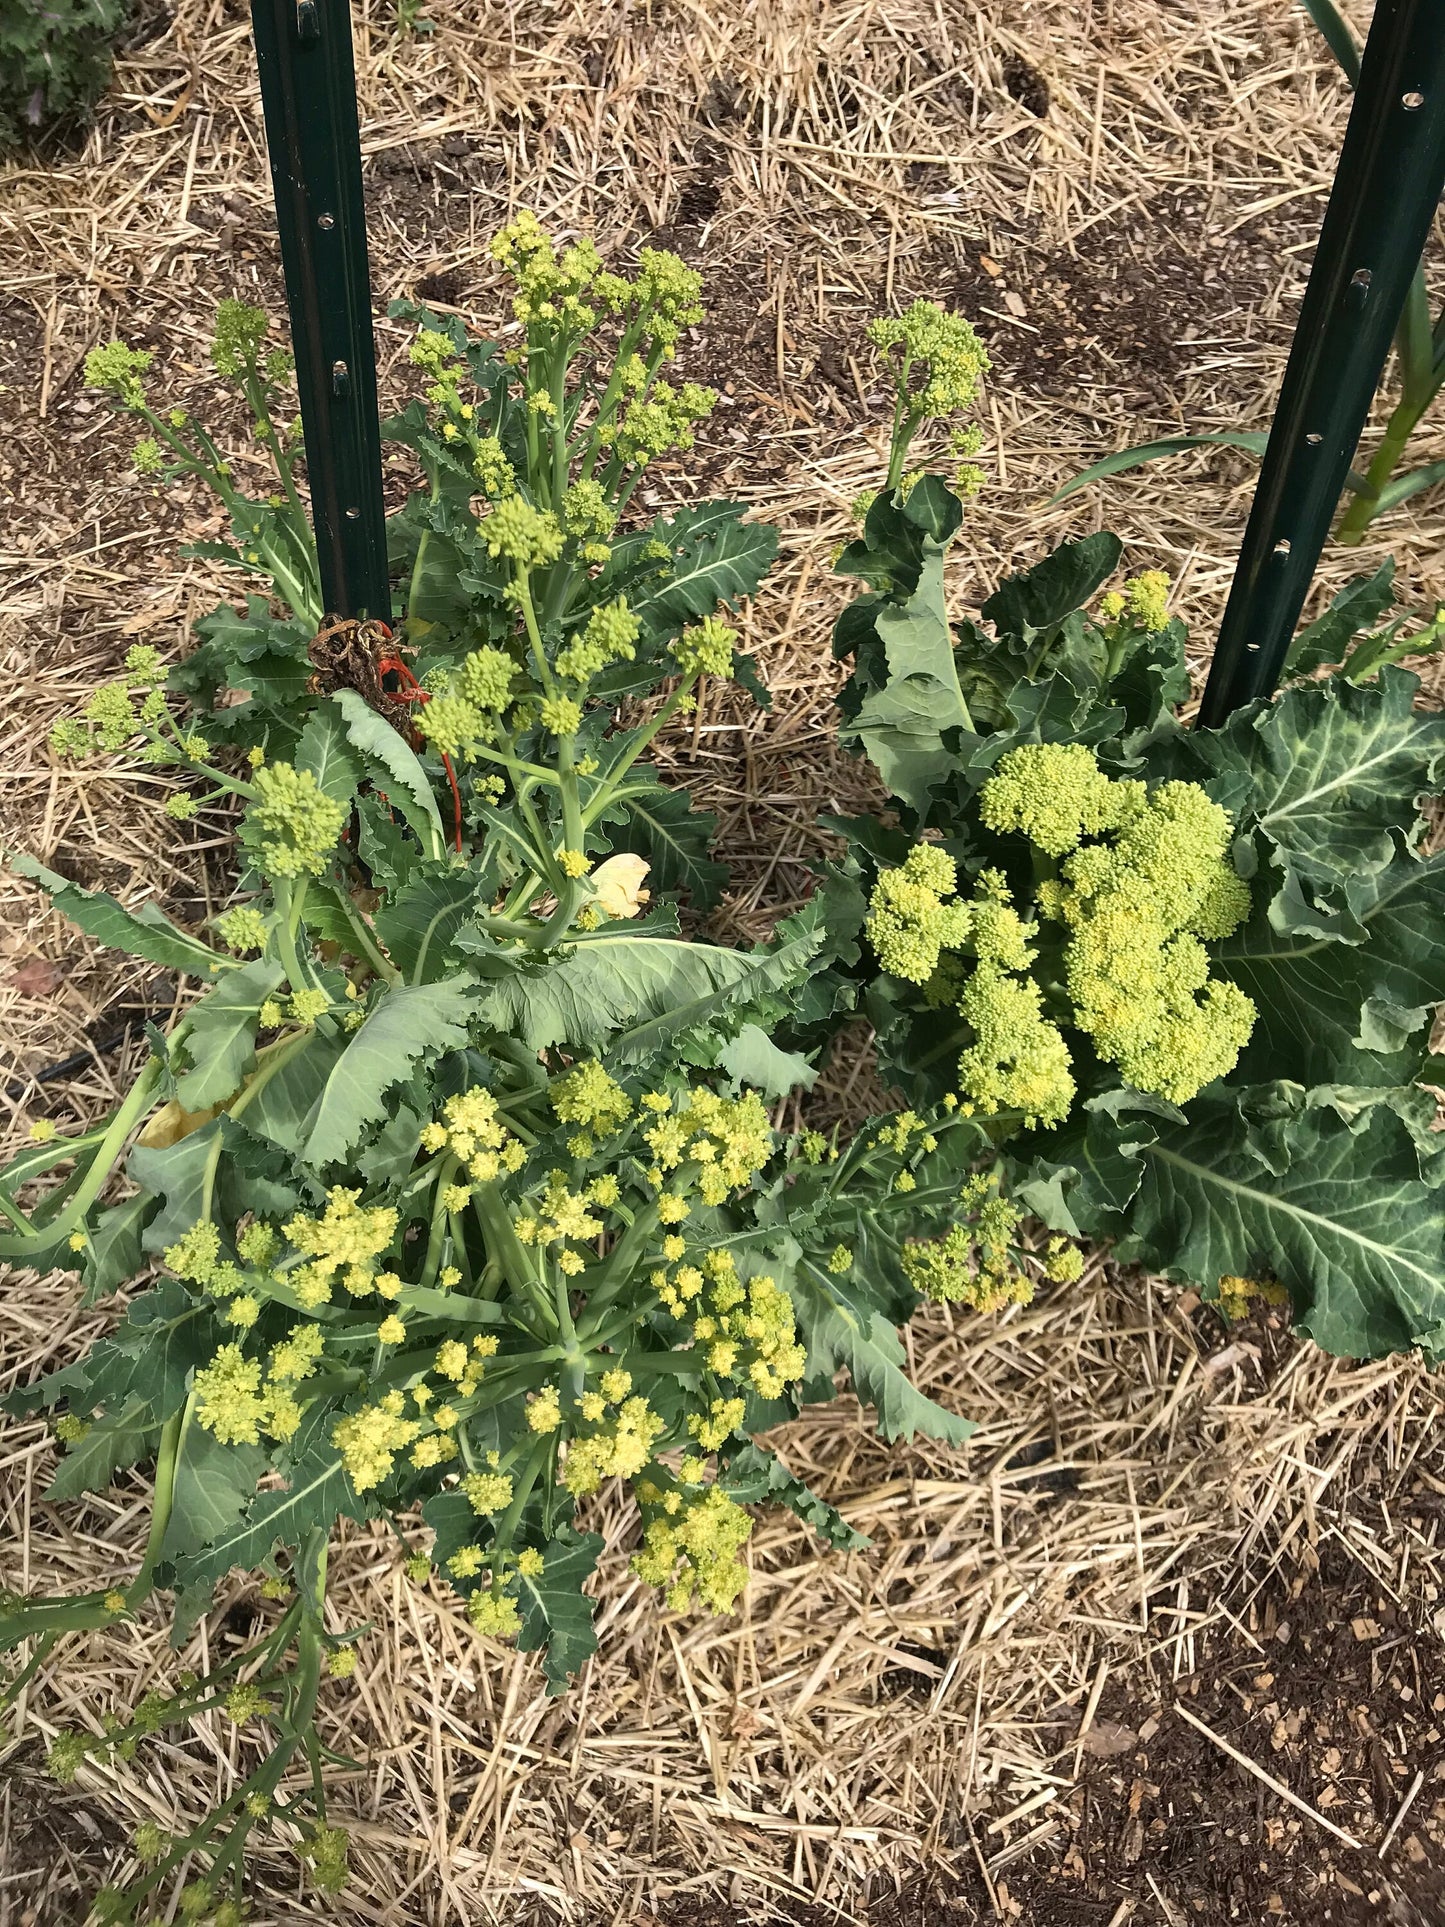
1330,773
318,1494
1052,589
325,751
147,1360
871,1351
219,1167
279,1110
114,1441
556,1613
1126,458
1336,1212
718,558
1338,38
1315,995
1363,599
408,787
900,726
408,1023
113,1249
221,1034
214,1484
611,982
418,922
754,1476
1401,487
143,932
753,1058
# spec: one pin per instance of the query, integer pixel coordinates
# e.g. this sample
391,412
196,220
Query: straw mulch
1124,197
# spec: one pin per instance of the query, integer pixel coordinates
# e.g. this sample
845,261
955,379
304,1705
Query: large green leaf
718,558
617,980
116,1440
1052,589
869,1347
221,1039
1330,772
418,922
1335,1210
1319,1000
214,1484
325,752
408,1023
144,932
753,1058
218,1170
318,1494
900,725
406,782
556,1613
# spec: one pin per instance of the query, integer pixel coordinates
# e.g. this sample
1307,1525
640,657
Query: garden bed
1147,1498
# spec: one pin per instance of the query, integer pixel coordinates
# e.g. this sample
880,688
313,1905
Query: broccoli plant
1184,978
465,1182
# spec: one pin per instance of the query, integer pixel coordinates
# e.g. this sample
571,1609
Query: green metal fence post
308,95
1391,170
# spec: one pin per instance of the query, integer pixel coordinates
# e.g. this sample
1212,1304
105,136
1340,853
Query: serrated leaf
144,932
319,1493
404,779
418,921
753,1476
221,1034
556,1613
326,753
410,1022
612,983
720,558
1335,1211
213,1485
1317,997
1039,597
1331,772
869,1348
1360,603
148,1359
113,1247
113,1441
753,1058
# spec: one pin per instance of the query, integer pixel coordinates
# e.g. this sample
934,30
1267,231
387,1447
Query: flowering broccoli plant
462,1186
1184,978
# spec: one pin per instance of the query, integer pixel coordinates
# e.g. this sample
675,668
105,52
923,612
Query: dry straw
1125,197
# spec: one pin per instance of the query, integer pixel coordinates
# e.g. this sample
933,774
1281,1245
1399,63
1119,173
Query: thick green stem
142,1096
1365,506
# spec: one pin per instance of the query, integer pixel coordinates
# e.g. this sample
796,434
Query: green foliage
1228,1007
466,1176
54,61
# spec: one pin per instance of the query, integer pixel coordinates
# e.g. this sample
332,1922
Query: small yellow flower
42,1130
391,1330
115,1602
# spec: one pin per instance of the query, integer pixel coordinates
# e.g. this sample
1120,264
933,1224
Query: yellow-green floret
909,922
